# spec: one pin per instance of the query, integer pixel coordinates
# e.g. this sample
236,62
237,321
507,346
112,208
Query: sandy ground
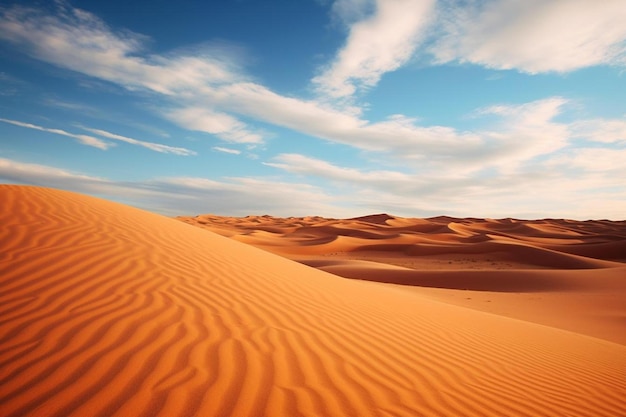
561,273
106,310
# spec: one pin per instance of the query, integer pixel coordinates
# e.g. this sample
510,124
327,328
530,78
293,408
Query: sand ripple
112,311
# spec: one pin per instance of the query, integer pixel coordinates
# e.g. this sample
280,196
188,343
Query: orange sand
561,273
112,311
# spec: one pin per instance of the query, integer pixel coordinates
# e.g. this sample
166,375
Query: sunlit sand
109,310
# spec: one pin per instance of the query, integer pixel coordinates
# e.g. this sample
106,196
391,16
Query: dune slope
561,273
108,310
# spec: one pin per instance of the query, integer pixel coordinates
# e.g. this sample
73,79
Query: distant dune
107,310
562,273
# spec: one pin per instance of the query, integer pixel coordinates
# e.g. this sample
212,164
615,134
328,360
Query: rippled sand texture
108,310
561,273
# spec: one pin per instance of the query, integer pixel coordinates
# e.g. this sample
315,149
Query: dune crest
561,273
113,311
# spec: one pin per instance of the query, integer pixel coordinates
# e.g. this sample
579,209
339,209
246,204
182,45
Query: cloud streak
157,147
379,43
511,155
579,184
226,150
208,91
184,195
84,139
220,124
523,131
100,144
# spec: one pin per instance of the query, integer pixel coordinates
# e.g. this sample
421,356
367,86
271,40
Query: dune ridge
561,273
597,240
108,310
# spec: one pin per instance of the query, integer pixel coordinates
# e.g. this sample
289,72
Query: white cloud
243,196
31,173
432,186
598,160
185,196
397,134
226,150
148,194
83,43
524,131
443,166
157,147
46,176
207,92
532,35
77,40
97,143
601,130
379,43
223,125
84,139
301,164
582,185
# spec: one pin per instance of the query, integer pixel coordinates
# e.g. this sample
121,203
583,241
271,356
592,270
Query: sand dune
562,273
112,311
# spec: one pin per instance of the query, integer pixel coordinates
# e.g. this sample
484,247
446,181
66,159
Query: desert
318,208
108,310
562,273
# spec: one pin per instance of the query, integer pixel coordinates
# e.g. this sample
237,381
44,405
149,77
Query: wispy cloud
580,184
524,132
157,147
10,85
243,196
84,139
100,144
77,40
520,133
223,125
377,43
205,90
601,130
301,164
226,150
82,109
43,175
185,195
533,35
397,134
597,160
66,105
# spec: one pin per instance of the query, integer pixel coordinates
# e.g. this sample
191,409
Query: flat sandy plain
107,310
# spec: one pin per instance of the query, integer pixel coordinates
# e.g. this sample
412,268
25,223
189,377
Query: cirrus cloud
100,144
84,139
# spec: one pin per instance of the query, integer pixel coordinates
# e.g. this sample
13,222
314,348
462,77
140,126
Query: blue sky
484,108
